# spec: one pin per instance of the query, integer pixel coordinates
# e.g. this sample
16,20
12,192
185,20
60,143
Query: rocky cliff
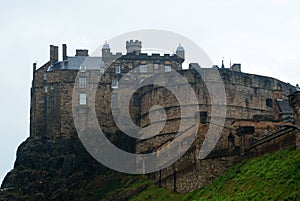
50,169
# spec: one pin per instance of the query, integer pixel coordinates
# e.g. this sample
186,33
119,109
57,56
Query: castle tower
180,51
106,50
133,46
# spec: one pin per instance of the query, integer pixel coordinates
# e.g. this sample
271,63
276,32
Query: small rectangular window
82,82
143,69
82,98
167,68
269,102
203,117
51,101
118,69
136,99
82,68
114,84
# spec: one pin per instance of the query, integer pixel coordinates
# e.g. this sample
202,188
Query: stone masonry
248,96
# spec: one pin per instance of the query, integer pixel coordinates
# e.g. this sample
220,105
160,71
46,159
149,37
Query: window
118,69
45,76
168,68
143,69
46,89
269,102
51,101
136,99
82,82
203,117
82,100
82,68
114,84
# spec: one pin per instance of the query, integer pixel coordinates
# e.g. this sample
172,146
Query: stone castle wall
246,94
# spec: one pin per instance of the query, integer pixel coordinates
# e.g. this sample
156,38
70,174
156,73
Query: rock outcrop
50,169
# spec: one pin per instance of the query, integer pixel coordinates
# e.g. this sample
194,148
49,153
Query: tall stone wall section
38,108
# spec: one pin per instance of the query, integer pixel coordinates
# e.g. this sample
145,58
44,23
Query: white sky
261,35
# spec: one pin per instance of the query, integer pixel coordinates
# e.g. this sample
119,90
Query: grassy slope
272,177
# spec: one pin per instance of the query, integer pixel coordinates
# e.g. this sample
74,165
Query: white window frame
114,84
118,69
143,69
168,68
82,82
82,99
82,68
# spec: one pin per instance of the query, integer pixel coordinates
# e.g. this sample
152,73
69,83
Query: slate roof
284,106
74,63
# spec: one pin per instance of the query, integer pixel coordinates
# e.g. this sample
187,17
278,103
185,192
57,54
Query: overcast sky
261,35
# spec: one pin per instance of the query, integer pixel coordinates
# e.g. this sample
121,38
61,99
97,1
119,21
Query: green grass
271,177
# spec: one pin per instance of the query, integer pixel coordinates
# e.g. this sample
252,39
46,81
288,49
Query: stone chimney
53,54
64,52
34,67
33,71
82,53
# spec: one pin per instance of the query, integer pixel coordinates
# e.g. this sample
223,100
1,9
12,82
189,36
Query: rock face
50,169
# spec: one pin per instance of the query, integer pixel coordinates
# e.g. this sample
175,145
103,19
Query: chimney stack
82,53
64,52
53,54
34,69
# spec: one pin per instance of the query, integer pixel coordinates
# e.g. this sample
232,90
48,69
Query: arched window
269,102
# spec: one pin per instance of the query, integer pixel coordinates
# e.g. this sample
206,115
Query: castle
258,116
